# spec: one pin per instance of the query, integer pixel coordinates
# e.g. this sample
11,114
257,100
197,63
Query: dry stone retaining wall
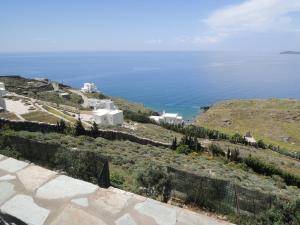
107,134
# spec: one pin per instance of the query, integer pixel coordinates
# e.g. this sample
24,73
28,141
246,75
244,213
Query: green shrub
191,142
216,150
117,179
137,116
261,144
183,149
79,129
237,138
156,181
268,169
280,214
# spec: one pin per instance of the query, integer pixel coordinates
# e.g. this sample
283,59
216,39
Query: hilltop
276,121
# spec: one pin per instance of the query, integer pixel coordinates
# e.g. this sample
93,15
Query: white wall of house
2,104
89,88
116,117
108,117
101,104
170,118
2,89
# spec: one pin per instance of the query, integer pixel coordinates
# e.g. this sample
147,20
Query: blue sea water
173,81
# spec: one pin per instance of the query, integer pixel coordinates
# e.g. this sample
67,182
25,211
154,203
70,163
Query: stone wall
119,135
107,134
28,125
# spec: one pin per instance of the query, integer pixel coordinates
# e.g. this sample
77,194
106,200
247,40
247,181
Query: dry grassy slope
276,121
283,162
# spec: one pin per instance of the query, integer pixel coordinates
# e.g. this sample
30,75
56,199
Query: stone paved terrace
37,196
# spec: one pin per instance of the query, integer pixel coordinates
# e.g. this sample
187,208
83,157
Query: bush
267,169
281,214
183,149
156,181
237,138
61,126
261,144
191,142
117,179
94,131
233,155
216,150
79,129
137,116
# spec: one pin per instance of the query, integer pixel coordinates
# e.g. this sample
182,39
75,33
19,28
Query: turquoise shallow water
173,81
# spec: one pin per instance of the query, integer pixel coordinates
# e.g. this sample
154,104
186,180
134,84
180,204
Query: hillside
216,175
276,121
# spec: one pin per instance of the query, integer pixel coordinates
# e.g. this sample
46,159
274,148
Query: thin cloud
250,16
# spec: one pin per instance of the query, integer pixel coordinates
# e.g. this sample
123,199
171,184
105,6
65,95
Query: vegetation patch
276,121
9,116
41,116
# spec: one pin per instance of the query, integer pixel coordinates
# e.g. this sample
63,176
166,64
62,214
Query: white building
89,88
64,95
101,104
106,113
170,118
108,117
2,94
249,138
2,89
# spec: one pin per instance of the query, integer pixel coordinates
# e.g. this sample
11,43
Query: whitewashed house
65,95
89,88
108,117
2,94
249,138
170,118
106,113
2,89
101,104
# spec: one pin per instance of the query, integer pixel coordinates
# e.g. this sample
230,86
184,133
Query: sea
178,82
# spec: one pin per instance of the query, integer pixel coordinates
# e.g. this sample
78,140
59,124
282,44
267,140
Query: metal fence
219,195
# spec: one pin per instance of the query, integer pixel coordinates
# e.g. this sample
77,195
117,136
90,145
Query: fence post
237,204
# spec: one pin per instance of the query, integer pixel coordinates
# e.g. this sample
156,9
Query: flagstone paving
39,196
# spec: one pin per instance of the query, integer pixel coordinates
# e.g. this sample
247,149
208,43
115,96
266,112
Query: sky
149,25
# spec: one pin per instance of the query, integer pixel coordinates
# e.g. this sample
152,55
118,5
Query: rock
74,216
7,190
162,214
126,220
81,202
24,208
33,177
7,177
65,187
111,202
12,165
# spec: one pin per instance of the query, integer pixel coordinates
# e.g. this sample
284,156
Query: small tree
79,129
61,126
94,130
261,144
183,149
235,155
216,150
174,144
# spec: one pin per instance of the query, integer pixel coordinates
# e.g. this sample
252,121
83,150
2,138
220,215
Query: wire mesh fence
219,195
